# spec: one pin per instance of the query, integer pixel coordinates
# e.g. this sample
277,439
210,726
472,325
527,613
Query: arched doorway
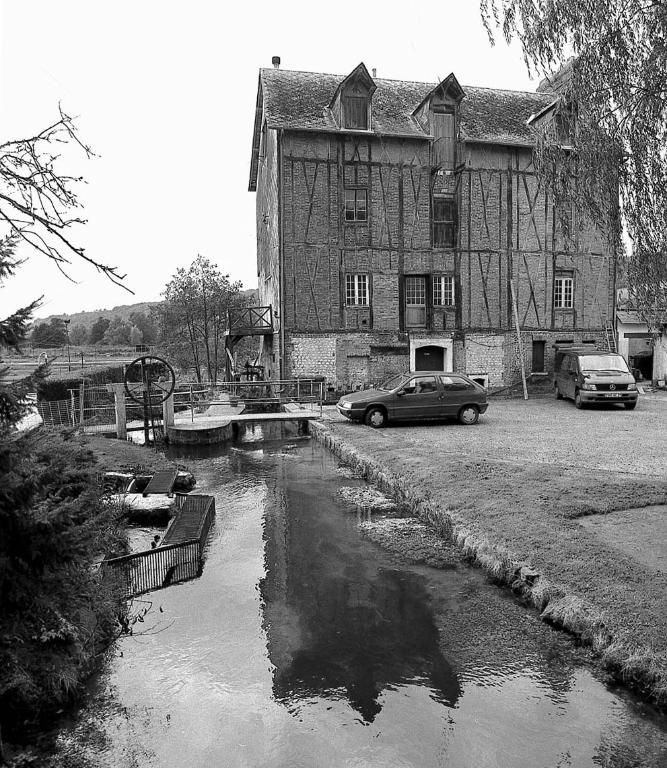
429,358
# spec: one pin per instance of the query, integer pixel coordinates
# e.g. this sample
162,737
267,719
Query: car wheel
559,396
376,417
630,406
469,414
578,402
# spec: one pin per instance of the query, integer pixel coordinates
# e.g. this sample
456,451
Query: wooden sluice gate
178,558
162,482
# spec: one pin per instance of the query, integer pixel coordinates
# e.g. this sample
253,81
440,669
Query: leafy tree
145,323
78,334
136,336
51,334
13,330
98,329
193,316
118,332
55,612
613,98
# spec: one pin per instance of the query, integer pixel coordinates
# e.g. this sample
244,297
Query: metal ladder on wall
610,338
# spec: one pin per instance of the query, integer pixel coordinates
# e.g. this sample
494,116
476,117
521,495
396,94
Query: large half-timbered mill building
401,225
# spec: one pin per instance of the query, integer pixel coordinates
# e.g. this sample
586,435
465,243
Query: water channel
304,644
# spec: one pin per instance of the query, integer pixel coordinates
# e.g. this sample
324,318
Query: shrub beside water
57,386
56,612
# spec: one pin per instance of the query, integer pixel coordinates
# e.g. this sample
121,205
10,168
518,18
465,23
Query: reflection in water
335,622
356,638
304,645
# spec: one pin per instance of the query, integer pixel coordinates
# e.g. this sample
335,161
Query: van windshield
606,363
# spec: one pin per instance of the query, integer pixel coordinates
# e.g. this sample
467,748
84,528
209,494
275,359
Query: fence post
119,407
168,412
82,406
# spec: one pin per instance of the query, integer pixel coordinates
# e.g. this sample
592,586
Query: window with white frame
356,290
564,290
443,290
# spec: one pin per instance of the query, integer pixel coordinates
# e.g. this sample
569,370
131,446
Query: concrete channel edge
636,667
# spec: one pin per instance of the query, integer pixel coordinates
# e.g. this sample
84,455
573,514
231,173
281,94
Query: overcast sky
165,95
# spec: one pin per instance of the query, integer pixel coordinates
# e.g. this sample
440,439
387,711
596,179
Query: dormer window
355,111
444,134
351,103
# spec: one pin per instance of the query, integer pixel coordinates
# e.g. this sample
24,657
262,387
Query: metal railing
252,396
168,564
142,572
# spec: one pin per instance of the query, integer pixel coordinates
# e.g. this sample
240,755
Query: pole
145,399
518,339
69,359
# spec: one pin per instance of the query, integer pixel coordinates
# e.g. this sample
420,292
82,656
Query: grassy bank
519,520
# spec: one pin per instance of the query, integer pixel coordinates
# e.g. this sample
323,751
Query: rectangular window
563,290
415,302
444,222
444,133
356,290
355,205
355,112
443,290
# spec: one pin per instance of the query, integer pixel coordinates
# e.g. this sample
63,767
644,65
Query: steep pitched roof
299,101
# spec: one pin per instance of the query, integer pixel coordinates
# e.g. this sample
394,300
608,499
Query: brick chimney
276,62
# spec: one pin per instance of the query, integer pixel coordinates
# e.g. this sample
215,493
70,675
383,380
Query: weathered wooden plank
162,482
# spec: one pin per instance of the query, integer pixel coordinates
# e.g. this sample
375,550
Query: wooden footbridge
179,556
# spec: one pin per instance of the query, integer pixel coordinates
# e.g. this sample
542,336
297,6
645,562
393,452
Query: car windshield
592,363
392,383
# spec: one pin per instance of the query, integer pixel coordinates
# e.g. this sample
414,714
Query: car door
456,392
418,399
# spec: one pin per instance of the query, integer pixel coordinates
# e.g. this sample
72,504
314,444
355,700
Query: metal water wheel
149,381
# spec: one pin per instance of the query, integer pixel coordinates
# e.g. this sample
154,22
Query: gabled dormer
555,123
438,113
351,103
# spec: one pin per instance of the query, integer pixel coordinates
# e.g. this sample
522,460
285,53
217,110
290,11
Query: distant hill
122,310
88,318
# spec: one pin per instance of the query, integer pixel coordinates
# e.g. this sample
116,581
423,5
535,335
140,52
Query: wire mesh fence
59,413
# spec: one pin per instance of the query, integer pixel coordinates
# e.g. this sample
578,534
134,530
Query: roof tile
298,100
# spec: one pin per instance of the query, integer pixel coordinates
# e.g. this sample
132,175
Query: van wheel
375,417
630,406
557,392
469,414
578,402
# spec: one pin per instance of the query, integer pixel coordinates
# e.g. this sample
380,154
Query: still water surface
305,645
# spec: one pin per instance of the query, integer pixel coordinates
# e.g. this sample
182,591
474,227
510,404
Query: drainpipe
281,257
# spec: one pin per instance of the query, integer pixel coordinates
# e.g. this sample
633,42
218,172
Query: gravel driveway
546,430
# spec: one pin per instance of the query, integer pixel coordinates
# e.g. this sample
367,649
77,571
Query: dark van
590,376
